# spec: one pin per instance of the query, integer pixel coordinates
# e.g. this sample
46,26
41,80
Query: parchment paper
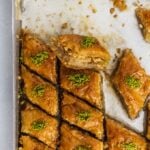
93,17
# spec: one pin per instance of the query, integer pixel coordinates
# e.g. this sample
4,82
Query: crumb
112,10
80,2
120,4
64,25
115,16
140,58
123,24
94,10
118,50
87,16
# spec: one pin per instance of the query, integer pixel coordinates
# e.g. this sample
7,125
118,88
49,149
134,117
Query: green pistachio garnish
132,82
83,115
83,147
38,90
79,79
129,146
20,92
39,58
88,42
38,125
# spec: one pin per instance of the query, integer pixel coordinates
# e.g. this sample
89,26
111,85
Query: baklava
38,56
121,138
39,125
40,92
78,113
143,16
72,139
132,83
85,84
80,52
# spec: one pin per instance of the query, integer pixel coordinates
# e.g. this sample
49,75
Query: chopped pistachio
88,42
38,125
38,90
20,92
129,146
132,82
78,79
83,115
82,147
39,58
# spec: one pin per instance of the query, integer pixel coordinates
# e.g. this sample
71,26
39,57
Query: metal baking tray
46,18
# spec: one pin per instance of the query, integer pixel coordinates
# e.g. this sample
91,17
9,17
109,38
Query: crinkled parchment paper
93,17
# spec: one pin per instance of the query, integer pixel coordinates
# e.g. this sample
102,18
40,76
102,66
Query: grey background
6,113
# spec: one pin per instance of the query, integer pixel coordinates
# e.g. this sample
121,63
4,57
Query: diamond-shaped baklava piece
148,122
121,138
132,83
80,52
85,84
39,92
72,139
80,114
38,56
143,16
29,143
38,124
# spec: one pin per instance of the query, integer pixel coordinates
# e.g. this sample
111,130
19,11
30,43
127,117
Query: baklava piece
78,113
38,56
38,124
29,143
72,139
80,52
132,83
40,92
148,122
121,138
85,84
120,4
143,16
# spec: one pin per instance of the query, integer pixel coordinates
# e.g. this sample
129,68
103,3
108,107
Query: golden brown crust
90,91
72,138
133,97
120,4
31,47
148,122
72,107
120,137
47,131
73,54
143,16
29,143
40,92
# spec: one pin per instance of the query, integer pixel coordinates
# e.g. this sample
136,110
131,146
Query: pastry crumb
112,10
64,25
120,4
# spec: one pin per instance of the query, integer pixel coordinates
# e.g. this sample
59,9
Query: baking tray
95,19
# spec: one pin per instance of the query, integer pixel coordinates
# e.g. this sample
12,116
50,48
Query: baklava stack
61,108
62,104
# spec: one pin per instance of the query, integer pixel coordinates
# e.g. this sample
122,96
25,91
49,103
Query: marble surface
6,114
